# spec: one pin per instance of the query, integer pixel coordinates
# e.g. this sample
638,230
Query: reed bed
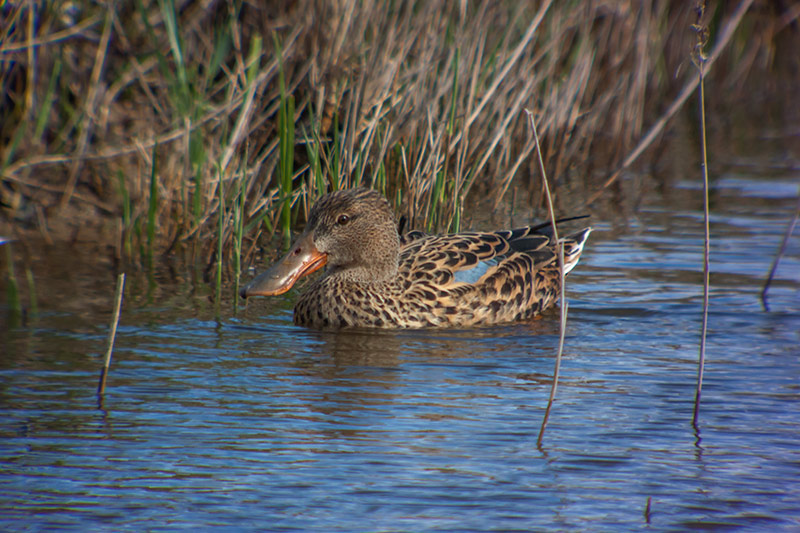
209,127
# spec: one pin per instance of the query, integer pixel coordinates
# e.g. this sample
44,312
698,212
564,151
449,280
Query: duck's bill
302,260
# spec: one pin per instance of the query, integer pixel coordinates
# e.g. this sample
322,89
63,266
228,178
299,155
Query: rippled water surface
252,423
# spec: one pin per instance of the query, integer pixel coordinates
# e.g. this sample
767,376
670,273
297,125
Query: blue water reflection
253,423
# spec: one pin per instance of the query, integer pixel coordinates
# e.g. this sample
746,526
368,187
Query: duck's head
352,231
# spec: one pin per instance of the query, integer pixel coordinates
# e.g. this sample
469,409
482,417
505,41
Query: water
250,423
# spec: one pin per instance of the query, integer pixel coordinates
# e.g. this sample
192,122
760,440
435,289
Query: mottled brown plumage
377,278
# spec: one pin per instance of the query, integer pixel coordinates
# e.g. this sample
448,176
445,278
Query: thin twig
240,129
784,243
57,37
101,388
560,250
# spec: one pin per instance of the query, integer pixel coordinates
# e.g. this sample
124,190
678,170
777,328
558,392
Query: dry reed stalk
89,106
57,37
112,333
699,58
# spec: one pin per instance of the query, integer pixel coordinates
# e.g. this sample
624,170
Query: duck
377,277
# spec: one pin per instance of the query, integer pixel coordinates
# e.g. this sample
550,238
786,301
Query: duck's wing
482,278
467,278
445,260
537,241
471,258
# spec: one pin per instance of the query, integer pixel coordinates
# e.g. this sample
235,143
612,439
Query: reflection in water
253,423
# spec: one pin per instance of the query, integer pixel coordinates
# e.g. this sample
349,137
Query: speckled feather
516,271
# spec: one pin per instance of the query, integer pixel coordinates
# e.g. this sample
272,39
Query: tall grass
422,100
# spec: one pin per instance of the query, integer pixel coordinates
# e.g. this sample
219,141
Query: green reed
220,241
33,307
238,229
49,99
152,210
12,290
286,149
125,196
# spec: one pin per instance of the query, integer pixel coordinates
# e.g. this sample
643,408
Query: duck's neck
379,270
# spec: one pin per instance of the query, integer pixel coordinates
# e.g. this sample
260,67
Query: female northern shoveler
378,278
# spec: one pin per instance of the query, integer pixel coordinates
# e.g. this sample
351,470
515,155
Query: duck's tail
538,241
573,246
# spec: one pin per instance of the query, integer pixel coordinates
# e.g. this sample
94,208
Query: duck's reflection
360,383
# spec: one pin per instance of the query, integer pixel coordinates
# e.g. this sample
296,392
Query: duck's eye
343,219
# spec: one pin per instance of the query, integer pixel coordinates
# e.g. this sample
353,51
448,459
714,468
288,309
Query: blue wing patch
473,274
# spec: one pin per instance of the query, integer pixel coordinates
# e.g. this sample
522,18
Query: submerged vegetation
157,127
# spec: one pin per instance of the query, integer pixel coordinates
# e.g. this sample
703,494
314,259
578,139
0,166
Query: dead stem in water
781,250
563,296
699,58
112,333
